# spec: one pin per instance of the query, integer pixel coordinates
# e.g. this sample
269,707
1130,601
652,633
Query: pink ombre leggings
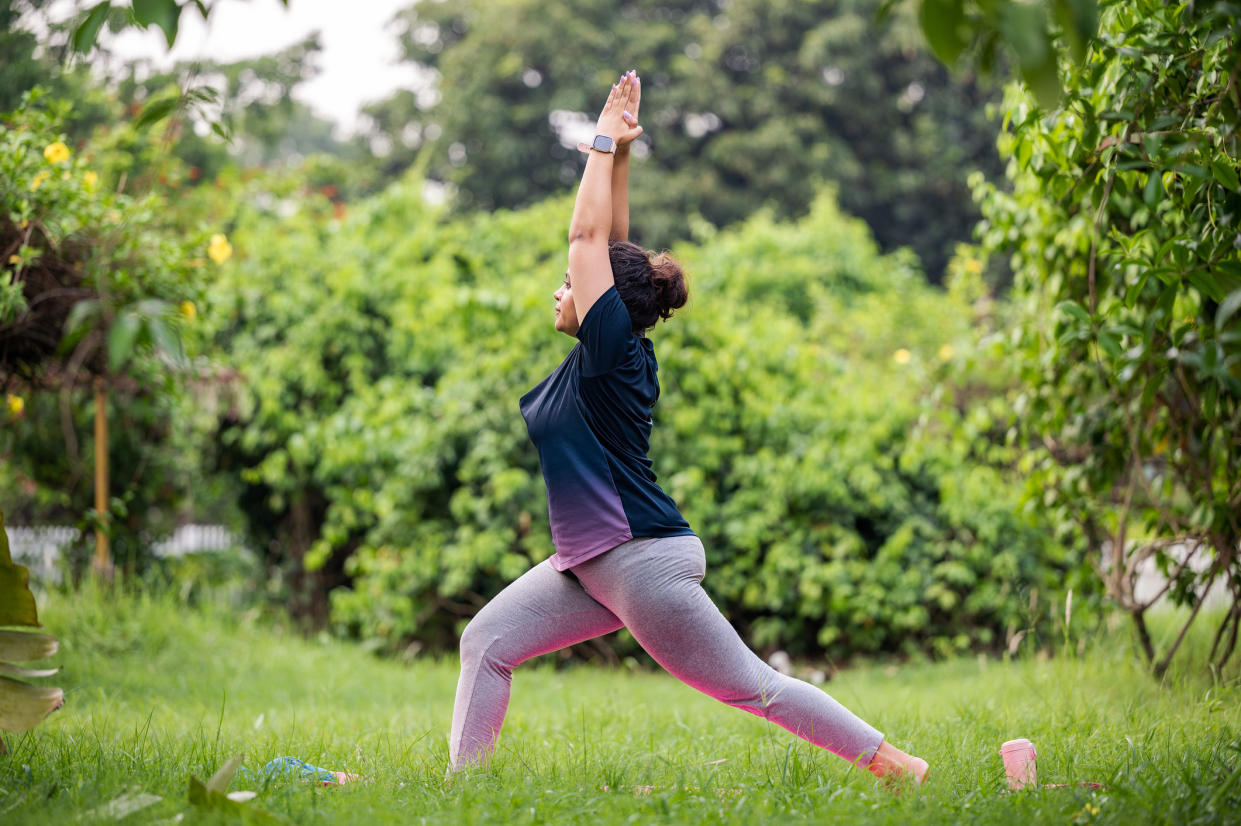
652,587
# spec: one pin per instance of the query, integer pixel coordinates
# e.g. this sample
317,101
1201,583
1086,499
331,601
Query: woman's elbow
585,233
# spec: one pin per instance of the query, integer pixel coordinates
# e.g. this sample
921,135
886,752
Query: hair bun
669,282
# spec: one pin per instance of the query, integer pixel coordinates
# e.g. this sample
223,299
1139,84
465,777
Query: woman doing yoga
625,557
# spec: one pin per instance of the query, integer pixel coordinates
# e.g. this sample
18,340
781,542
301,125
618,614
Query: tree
1121,229
750,103
94,291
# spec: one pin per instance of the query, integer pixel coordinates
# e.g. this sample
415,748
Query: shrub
844,507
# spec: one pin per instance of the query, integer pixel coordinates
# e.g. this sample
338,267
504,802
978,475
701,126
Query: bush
844,507
95,290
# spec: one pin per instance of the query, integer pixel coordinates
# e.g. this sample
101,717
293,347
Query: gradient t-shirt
591,422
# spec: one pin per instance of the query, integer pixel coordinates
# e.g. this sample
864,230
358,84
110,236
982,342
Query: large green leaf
944,24
16,601
1024,26
163,13
121,339
22,705
27,646
10,670
86,32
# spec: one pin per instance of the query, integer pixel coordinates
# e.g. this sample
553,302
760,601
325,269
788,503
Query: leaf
166,340
1206,284
1135,290
27,646
943,23
1079,21
163,13
1193,170
156,111
17,605
121,340
1154,188
224,775
88,30
207,798
1109,343
1024,26
27,673
78,316
1074,309
1225,173
1227,308
23,706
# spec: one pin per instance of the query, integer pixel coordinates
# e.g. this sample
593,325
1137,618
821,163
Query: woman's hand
619,118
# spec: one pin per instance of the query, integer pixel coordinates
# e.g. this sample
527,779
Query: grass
157,692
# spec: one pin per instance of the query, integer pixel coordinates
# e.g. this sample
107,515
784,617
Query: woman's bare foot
892,765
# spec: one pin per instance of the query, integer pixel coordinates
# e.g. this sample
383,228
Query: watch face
603,143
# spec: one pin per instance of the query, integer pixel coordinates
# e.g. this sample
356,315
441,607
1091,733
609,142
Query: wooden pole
103,556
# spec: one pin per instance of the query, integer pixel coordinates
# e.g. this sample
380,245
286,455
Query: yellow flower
56,152
16,404
90,179
945,352
15,259
189,310
219,249
901,356
973,266
25,223
38,180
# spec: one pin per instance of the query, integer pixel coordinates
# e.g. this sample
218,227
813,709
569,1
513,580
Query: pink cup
1019,763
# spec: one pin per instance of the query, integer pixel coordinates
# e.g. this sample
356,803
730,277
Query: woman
625,557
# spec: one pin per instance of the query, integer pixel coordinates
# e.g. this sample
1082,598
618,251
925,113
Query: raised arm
620,167
590,270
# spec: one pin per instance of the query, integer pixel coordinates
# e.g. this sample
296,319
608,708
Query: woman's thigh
653,586
543,610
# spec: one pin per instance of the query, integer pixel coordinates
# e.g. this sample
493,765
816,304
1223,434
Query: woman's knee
479,636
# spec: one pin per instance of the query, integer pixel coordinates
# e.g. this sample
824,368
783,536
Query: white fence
39,547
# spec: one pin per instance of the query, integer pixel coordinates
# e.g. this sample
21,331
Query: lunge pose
624,554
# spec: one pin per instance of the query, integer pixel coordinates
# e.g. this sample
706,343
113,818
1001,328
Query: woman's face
566,312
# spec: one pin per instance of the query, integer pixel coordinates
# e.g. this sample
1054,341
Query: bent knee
477,638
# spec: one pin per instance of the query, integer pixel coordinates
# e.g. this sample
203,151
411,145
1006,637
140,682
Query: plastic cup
1019,763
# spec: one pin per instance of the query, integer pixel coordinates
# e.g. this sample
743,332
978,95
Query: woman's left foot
893,765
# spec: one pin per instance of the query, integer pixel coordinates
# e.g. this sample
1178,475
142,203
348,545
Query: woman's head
651,284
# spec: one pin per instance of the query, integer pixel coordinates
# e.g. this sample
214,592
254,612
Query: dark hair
650,283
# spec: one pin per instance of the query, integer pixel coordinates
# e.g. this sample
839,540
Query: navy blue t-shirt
591,422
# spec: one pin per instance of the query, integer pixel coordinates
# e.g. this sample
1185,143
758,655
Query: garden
953,408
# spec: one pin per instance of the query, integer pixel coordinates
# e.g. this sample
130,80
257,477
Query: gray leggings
652,587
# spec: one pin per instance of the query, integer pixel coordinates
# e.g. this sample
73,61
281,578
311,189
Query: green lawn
157,692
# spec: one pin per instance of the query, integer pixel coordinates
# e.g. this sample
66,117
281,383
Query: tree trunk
103,555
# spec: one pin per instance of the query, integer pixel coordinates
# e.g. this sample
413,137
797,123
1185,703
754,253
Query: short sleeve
606,334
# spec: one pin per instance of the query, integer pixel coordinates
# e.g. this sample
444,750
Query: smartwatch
602,143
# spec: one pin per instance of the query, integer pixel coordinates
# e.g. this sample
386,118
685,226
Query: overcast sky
358,63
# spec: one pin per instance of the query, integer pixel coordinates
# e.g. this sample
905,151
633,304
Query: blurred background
278,273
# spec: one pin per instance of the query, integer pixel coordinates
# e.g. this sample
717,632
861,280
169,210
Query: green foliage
95,285
378,433
1028,29
164,14
747,104
22,705
1121,228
